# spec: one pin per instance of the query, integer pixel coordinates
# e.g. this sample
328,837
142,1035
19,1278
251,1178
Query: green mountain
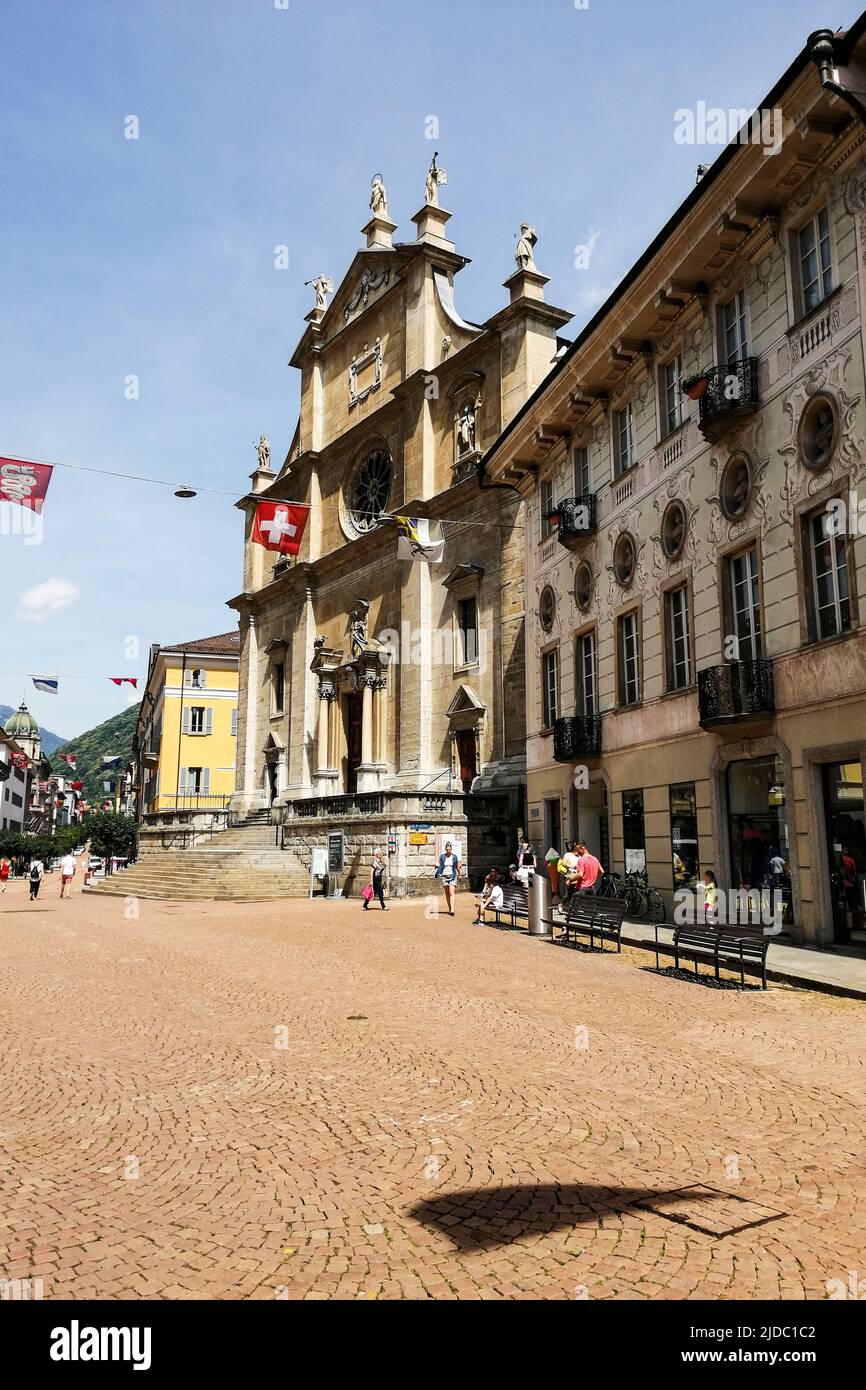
50,741
108,739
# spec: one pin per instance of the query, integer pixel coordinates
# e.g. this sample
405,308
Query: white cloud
41,602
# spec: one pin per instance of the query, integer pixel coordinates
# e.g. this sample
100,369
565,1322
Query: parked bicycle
635,892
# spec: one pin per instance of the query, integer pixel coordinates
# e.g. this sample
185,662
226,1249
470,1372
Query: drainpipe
822,51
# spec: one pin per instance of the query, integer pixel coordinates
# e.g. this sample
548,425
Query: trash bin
539,905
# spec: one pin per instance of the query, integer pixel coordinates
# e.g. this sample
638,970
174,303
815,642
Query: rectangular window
196,678
633,834
745,602
735,344
582,481
684,835
196,719
671,396
828,560
677,640
629,659
623,442
550,688
813,259
467,631
278,679
547,506
585,675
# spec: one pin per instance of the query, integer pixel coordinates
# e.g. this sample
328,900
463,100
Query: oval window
736,489
547,608
674,526
818,431
583,586
624,560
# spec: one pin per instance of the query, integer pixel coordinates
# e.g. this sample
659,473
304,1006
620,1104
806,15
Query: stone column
381,703
333,701
251,786
323,740
367,722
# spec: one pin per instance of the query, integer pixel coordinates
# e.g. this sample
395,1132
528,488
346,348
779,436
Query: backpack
34,874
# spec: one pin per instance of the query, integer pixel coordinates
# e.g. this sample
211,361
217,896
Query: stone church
382,698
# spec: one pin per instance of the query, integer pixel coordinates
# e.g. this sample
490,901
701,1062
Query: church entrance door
353,715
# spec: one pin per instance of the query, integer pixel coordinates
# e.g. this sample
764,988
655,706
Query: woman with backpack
449,872
36,871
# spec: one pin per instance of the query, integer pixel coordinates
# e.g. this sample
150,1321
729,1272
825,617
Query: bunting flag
76,786
24,483
20,760
125,680
420,539
280,526
71,759
45,684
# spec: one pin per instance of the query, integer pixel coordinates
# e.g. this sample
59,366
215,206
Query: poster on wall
445,837
635,861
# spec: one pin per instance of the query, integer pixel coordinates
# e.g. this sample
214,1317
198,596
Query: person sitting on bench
491,895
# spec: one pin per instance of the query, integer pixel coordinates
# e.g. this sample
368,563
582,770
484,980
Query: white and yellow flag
420,539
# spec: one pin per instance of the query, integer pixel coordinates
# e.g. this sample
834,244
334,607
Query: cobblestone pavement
306,1101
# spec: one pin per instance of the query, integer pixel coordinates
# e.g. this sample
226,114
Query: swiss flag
24,483
280,526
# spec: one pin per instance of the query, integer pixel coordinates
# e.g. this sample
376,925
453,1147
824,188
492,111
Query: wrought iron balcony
575,519
576,736
740,690
725,395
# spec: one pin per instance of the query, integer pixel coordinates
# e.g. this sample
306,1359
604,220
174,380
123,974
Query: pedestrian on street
5,869
67,873
377,881
589,870
449,872
37,869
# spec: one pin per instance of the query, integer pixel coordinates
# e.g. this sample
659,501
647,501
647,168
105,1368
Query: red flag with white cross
280,526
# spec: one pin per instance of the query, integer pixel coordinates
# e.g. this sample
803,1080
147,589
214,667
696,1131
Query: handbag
368,892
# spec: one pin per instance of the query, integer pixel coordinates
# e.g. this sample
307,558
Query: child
484,897
711,897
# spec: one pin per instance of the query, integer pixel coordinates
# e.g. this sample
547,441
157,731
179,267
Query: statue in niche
526,243
323,285
263,449
378,197
435,176
358,627
466,429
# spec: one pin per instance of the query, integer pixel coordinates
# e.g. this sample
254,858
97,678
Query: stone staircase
241,864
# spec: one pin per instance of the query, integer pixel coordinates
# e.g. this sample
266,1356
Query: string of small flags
50,685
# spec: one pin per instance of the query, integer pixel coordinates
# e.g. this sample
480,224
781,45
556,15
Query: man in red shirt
588,870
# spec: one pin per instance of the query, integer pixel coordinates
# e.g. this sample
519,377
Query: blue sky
261,127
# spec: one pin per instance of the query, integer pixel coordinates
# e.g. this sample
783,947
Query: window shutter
205,780
202,679
187,677
182,783
208,720
185,724
234,723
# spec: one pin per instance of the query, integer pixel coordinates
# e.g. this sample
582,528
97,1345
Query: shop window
684,835
633,833
760,848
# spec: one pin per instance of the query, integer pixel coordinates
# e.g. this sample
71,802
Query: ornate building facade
381,698
696,541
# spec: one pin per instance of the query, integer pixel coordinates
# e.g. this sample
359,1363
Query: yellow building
186,735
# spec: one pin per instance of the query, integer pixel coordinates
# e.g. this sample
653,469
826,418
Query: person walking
5,870
589,870
37,869
449,872
377,881
67,873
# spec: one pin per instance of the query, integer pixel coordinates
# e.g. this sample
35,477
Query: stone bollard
539,905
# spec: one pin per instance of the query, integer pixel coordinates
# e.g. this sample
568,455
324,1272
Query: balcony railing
575,519
724,395
739,690
192,801
576,736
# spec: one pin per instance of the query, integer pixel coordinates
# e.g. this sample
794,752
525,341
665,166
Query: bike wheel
635,901
656,906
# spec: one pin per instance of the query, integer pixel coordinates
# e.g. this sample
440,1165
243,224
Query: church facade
381,698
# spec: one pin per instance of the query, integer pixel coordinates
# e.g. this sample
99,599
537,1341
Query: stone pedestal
526,284
430,222
379,232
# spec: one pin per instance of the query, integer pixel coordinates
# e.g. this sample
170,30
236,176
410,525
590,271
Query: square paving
303,1100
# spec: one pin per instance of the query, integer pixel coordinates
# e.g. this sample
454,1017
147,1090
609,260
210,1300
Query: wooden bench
515,906
726,944
586,914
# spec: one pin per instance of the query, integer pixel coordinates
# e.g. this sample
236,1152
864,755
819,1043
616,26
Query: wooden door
354,707
466,753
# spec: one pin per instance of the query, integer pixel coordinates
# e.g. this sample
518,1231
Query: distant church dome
22,724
